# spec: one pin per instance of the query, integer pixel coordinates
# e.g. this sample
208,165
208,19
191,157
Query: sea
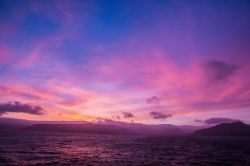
21,148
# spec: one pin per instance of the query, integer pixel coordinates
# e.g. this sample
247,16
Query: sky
154,62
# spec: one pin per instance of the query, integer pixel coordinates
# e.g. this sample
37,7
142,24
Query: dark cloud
219,70
127,115
105,120
153,100
198,121
159,115
16,106
219,120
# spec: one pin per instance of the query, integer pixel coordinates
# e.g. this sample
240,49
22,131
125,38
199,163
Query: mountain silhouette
226,129
100,127
106,129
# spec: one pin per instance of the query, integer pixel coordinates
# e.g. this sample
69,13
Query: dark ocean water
46,148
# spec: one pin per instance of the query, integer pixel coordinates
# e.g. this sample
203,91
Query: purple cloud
219,70
159,115
127,115
198,121
219,120
154,100
16,106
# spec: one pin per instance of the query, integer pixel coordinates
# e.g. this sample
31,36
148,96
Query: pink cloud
184,89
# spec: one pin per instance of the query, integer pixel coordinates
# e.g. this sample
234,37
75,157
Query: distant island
125,129
235,129
103,127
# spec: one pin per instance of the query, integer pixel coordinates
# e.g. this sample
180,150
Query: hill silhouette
78,128
100,127
226,129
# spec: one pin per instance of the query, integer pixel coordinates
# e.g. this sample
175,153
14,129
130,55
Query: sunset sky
160,61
